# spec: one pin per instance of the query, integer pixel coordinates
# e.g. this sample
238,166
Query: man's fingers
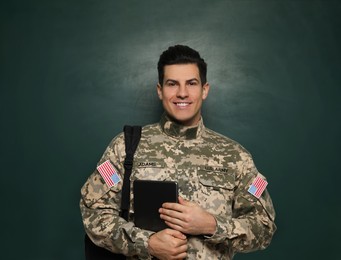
170,213
176,234
172,206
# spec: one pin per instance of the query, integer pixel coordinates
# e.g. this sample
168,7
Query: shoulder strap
132,135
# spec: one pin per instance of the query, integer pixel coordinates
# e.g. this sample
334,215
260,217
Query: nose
182,91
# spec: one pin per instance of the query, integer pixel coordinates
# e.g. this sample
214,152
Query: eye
193,83
170,84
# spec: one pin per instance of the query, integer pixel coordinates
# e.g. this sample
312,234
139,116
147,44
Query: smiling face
182,93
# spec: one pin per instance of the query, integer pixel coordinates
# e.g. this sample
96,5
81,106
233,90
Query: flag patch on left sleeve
109,173
257,187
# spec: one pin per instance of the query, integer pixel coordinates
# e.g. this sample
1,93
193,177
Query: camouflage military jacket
211,170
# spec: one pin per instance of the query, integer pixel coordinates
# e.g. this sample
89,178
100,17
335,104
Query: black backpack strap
132,135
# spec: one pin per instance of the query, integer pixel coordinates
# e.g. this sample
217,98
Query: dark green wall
74,72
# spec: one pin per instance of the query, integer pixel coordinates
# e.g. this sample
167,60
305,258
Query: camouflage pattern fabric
211,170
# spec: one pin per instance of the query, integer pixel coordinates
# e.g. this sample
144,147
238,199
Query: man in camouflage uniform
216,215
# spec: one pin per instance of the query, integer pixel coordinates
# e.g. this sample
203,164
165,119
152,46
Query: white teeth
182,104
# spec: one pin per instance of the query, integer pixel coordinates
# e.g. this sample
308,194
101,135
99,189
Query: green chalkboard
72,73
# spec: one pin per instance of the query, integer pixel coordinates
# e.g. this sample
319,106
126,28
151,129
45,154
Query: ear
205,90
159,90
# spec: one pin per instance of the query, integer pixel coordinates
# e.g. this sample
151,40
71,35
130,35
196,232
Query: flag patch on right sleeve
109,173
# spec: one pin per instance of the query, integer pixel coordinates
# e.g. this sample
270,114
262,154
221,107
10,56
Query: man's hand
188,218
168,244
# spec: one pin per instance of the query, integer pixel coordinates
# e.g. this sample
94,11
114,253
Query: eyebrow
176,81
193,79
171,80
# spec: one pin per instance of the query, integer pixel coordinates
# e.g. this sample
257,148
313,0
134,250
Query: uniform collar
181,132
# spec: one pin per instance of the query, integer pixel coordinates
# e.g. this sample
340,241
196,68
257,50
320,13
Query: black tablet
148,198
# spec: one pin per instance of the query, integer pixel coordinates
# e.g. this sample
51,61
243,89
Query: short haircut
181,54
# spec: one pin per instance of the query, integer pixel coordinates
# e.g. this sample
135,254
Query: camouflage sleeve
100,206
252,224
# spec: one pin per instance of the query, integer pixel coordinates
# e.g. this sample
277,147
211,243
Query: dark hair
181,54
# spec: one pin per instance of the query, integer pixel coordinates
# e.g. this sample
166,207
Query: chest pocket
215,189
216,178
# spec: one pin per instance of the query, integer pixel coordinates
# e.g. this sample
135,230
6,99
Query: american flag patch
109,173
257,187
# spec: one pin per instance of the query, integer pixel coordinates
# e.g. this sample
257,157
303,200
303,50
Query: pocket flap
217,179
